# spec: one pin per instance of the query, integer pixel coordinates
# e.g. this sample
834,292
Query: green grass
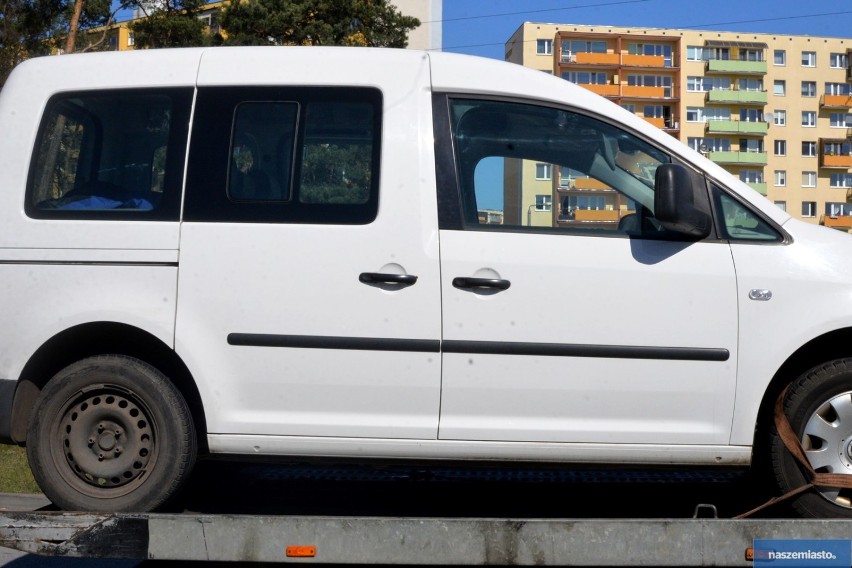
15,476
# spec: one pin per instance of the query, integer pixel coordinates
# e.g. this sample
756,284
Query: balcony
758,187
719,96
638,92
836,101
628,60
737,127
603,90
663,123
736,67
739,158
835,162
586,58
842,222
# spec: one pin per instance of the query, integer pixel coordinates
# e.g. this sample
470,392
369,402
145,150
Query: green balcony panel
736,67
758,187
740,158
737,127
738,97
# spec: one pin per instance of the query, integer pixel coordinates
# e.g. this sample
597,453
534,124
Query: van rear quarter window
110,155
285,155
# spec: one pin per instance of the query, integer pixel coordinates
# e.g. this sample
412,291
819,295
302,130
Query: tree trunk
72,28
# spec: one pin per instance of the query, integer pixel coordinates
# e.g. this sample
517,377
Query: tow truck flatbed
403,541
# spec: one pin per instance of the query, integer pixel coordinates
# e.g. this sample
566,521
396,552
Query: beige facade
774,110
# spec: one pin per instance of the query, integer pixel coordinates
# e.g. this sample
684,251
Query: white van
382,254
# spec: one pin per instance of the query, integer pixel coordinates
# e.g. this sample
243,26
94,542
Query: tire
817,399
110,433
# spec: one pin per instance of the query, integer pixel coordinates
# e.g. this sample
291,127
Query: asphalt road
220,487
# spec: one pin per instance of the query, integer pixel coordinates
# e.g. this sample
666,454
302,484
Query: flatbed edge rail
403,541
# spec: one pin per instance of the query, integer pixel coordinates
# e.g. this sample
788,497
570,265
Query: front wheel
819,408
110,433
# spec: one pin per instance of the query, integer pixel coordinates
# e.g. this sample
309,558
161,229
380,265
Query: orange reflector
749,555
301,551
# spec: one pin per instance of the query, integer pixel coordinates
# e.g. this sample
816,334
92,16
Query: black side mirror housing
675,207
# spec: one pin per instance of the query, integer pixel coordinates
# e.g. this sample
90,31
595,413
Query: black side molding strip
325,342
479,347
574,350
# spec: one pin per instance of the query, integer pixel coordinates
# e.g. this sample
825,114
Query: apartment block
774,110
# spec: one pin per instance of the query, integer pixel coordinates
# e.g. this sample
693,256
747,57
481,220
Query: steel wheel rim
827,441
107,441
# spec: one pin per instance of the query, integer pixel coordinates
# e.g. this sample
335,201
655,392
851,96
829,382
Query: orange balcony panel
643,92
590,183
584,58
605,90
658,122
843,221
643,60
837,101
841,161
596,215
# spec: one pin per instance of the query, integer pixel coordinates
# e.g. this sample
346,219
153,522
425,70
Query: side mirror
674,202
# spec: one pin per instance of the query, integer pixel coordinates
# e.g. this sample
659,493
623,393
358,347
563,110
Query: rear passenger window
294,155
262,151
110,155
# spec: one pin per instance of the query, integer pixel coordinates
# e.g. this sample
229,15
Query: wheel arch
101,338
832,345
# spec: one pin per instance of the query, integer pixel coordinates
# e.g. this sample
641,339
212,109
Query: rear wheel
110,433
819,408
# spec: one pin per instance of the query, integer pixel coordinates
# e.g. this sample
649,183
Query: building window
840,120
809,59
808,149
697,53
654,49
838,89
694,114
703,84
809,179
751,145
585,77
651,81
808,208
751,115
543,202
808,88
840,180
838,209
542,171
779,88
780,178
709,144
751,176
544,46
629,107
838,60
779,118
754,85
131,39
780,147
809,118
838,148
780,57
782,205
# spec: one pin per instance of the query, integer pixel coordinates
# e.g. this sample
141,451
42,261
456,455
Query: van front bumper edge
7,397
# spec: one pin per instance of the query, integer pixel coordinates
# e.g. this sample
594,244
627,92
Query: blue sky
481,27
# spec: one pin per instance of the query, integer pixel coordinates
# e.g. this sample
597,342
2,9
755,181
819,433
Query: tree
172,23
372,23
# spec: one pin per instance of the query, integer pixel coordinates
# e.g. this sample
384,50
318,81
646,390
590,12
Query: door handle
382,278
468,283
